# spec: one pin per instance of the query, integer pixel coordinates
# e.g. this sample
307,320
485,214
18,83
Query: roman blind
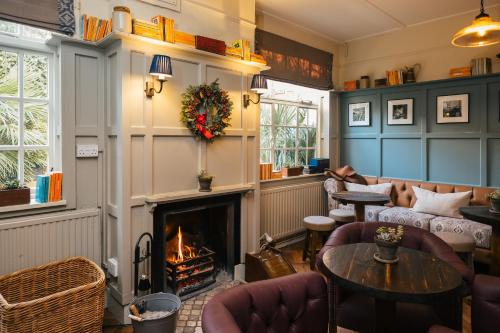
54,15
294,62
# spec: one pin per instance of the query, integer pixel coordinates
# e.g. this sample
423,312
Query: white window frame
16,44
273,126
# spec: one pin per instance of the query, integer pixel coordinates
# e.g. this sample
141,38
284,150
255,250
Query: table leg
449,309
360,212
385,316
495,251
332,320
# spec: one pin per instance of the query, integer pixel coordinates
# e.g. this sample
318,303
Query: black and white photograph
359,114
400,112
453,109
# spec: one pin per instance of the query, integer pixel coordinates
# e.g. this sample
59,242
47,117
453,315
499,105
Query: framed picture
453,109
169,4
359,114
400,112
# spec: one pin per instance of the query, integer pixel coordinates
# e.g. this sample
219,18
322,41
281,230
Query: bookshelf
56,40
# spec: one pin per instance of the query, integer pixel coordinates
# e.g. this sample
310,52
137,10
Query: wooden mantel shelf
195,194
56,40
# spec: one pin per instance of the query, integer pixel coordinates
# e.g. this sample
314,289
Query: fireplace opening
195,243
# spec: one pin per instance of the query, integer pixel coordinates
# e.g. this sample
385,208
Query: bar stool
342,216
317,228
464,245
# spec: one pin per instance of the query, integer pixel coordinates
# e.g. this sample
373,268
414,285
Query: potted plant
494,198
12,193
205,181
387,240
291,171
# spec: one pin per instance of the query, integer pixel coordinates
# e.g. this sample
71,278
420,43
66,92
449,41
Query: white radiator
283,208
37,240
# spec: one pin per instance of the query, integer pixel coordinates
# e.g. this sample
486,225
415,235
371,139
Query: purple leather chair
295,303
485,310
356,312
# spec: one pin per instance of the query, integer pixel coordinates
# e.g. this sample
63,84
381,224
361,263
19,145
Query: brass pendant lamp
482,32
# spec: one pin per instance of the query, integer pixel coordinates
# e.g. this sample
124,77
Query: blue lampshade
161,66
259,84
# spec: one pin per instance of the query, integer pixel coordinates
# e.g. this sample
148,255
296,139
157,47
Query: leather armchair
485,312
356,311
295,303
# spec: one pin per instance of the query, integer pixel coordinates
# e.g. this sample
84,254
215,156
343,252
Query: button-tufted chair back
295,303
402,193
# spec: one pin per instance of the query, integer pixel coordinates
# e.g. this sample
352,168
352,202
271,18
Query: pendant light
482,32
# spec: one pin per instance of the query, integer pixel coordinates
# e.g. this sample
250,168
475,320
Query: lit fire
184,252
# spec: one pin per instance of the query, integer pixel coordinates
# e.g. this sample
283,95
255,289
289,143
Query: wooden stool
316,226
342,216
463,245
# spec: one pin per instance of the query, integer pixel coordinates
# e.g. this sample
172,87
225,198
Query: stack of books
167,26
481,66
148,29
257,58
394,77
49,187
184,38
240,48
460,72
94,29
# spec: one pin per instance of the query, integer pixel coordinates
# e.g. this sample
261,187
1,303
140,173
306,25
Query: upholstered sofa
403,198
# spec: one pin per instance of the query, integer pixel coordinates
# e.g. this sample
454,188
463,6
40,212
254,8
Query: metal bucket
158,302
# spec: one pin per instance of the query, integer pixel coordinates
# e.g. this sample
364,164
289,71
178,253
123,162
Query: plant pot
291,172
495,205
19,196
205,184
386,251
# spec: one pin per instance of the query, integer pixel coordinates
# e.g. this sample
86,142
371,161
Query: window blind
54,15
294,62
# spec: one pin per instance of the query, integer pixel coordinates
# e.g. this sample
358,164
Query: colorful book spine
42,188
184,38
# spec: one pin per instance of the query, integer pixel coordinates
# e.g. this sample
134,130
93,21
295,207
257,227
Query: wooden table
418,277
360,200
483,215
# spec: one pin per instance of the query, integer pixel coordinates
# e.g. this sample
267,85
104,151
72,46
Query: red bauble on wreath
206,110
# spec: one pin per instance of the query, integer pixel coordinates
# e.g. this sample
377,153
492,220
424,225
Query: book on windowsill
49,187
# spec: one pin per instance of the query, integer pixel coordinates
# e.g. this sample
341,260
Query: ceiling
345,20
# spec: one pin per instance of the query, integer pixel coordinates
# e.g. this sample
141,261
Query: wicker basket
65,296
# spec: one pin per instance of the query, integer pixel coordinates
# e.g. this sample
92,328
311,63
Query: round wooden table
360,200
418,277
482,214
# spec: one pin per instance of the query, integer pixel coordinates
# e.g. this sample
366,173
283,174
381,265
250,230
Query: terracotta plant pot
19,196
386,250
205,183
495,205
291,172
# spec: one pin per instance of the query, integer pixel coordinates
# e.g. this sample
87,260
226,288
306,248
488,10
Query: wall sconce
161,66
259,86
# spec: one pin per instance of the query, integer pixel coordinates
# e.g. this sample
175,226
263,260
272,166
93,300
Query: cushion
372,213
384,188
319,223
480,232
402,215
442,204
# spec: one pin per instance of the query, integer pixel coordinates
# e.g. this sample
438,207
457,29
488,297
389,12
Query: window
25,108
288,133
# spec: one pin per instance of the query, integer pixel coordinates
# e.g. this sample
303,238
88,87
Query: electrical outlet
113,266
87,151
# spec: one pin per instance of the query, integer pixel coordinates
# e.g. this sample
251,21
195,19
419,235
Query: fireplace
195,242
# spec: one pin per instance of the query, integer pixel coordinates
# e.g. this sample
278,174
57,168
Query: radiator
37,240
283,208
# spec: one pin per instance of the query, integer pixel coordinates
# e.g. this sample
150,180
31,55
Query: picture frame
359,114
452,109
400,112
169,4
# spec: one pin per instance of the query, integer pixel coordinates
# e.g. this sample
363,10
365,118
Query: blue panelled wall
445,153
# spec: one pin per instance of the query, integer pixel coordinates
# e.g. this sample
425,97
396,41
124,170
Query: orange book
169,30
184,38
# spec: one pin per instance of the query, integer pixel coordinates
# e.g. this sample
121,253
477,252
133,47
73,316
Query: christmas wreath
206,110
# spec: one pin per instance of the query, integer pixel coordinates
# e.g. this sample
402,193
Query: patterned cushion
402,215
331,187
372,213
480,232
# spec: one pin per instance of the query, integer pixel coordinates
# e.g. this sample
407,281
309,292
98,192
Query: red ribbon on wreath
201,121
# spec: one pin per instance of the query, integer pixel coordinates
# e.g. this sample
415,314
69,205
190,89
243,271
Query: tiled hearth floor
190,315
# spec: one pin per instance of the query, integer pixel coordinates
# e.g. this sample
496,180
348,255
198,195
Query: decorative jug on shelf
411,73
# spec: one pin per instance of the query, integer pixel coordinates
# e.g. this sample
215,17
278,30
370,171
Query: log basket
64,296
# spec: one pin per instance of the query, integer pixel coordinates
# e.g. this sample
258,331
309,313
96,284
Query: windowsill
291,178
31,206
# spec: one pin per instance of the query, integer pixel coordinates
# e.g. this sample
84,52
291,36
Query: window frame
296,149
22,46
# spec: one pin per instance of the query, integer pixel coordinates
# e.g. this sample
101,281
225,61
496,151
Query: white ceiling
344,20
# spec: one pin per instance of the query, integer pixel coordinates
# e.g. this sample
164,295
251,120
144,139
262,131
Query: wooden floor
294,255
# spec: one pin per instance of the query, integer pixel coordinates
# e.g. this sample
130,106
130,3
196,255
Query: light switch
87,151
